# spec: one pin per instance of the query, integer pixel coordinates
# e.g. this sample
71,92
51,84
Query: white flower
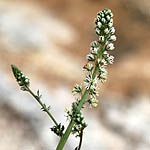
88,67
99,24
94,44
93,101
111,14
88,80
108,17
102,14
106,30
93,87
104,62
103,20
110,46
77,89
106,54
101,38
112,30
111,21
107,11
112,38
110,59
102,70
98,31
91,83
94,50
90,57
102,76
110,24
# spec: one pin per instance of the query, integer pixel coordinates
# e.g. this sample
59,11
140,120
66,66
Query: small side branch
42,105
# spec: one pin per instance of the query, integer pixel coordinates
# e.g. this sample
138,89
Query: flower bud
106,30
103,20
99,24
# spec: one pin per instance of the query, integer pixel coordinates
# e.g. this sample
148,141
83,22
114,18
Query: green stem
42,105
69,128
82,101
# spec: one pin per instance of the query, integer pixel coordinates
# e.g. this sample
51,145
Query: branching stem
82,101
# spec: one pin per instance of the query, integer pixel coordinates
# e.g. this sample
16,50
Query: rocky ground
49,40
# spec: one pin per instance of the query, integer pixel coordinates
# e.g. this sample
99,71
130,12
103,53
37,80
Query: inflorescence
22,79
98,57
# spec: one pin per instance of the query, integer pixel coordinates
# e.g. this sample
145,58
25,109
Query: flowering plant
95,70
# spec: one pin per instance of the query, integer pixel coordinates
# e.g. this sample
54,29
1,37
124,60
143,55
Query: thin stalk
82,101
42,105
81,139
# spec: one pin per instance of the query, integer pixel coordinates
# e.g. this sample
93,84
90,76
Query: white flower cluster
97,61
99,56
99,53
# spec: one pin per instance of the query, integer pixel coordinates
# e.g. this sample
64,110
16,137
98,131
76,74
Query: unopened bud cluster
58,130
22,80
77,117
79,125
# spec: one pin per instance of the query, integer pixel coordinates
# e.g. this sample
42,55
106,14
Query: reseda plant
95,70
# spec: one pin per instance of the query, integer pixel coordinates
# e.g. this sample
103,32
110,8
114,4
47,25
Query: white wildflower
94,50
88,67
112,38
110,24
103,20
101,38
112,30
106,54
90,57
103,62
106,30
111,14
94,44
98,31
110,59
108,17
99,24
110,46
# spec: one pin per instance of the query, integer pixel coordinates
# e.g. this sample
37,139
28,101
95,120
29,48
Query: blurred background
48,40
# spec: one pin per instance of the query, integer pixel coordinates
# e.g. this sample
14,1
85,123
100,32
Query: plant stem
82,101
43,106
69,128
81,139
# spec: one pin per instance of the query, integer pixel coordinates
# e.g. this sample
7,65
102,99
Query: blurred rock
26,26
131,121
